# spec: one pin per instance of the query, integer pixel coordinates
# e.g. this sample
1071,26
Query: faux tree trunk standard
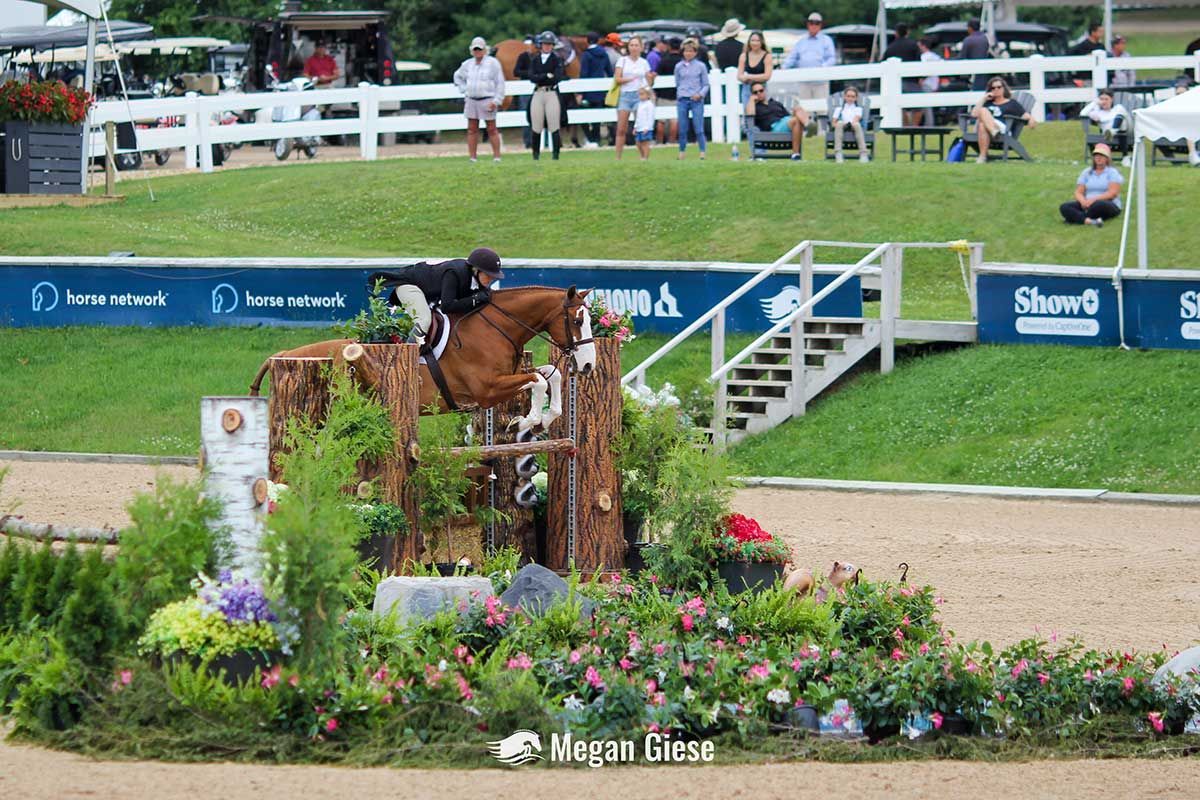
234,438
395,373
599,542
299,387
518,531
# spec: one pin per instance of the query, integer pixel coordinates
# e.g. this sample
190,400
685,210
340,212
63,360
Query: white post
720,403
204,134
1140,166
1108,31
799,339
1099,69
1037,86
233,434
368,121
889,90
191,125
716,98
89,70
733,106
887,312
976,264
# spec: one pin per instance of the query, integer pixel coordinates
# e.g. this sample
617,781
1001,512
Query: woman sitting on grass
1097,192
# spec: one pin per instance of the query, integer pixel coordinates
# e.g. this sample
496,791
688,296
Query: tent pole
89,70
1140,166
1108,31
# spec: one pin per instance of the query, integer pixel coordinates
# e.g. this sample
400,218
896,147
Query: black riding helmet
485,260
547,37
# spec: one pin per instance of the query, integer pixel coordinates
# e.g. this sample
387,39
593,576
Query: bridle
572,344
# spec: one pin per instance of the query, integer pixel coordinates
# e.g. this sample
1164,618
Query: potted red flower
748,556
42,127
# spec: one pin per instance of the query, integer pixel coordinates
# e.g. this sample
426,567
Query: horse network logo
224,299
777,307
45,296
517,748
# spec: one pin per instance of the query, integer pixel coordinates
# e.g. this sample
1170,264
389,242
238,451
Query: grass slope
588,205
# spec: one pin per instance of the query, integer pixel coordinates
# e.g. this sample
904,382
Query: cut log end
260,491
231,420
353,352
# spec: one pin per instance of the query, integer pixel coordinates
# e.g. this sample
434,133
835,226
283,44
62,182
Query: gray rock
535,588
417,599
1182,664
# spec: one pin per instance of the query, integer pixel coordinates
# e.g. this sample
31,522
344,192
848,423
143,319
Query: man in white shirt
481,80
930,83
814,49
1121,77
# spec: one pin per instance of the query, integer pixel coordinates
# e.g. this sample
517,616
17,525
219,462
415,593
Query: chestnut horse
482,358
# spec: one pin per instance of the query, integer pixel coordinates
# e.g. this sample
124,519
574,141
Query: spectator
520,71
728,49
814,49
691,87
975,46
930,83
593,63
1097,192
665,98
1093,41
849,113
754,64
905,49
321,67
643,122
546,71
698,37
1111,117
656,53
990,111
1121,77
481,80
771,116
614,48
632,75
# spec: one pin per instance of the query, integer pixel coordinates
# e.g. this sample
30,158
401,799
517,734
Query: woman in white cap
481,80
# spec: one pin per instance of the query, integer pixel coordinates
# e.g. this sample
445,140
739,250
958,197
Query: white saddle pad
439,346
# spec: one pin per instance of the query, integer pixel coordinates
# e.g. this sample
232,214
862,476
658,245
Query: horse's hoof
525,494
527,466
525,435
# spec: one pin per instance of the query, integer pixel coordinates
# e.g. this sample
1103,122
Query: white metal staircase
774,378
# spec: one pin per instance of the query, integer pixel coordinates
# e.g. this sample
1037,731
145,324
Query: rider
454,286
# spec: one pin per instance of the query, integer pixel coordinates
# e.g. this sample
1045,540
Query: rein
572,343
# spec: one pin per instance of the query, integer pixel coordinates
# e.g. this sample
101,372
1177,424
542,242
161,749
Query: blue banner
1020,307
661,300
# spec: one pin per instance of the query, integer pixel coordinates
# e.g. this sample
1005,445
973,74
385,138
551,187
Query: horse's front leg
537,385
554,378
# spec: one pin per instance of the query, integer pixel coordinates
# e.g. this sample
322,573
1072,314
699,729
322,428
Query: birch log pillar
394,372
594,539
518,530
234,447
299,387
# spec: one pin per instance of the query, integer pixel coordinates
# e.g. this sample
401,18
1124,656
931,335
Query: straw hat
1102,149
730,29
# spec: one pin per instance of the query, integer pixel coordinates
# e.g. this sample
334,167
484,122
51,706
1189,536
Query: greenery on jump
117,659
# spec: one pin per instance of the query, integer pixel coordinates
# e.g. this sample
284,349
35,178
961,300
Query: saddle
436,339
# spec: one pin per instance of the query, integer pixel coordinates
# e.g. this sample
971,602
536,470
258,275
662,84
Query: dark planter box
235,669
741,576
42,158
379,547
635,556
877,732
804,717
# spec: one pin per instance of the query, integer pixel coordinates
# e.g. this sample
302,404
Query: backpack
958,151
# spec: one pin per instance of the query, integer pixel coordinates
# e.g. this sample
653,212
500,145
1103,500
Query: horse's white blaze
554,378
537,399
585,355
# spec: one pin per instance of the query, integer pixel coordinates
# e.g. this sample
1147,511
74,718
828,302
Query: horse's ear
571,292
586,292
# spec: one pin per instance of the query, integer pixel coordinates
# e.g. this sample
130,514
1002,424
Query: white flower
688,693
572,703
779,696
724,624
443,666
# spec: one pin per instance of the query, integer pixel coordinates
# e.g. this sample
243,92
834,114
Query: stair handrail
638,373
801,310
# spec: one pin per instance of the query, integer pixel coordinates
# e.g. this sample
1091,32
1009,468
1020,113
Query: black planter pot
446,568
42,158
741,576
635,556
631,525
804,717
876,732
377,547
234,669
955,725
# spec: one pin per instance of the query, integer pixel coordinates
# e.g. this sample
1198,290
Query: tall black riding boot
537,145
556,138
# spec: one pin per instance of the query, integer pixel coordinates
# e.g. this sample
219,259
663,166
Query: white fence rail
199,114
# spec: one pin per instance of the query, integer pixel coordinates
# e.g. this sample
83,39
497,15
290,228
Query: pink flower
999,697
659,699
1020,667
331,724
1127,686
906,621
574,657
625,664
294,681
898,634
1043,678
126,677
835,652
1156,720
686,668
659,649
937,719
381,675
269,679
759,670
972,667
719,644
924,648
1088,676
495,613
593,678
897,654
386,699
651,686
907,591
460,652
688,622
743,640
464,688
520,661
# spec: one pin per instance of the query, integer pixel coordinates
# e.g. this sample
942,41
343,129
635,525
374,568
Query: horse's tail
262,371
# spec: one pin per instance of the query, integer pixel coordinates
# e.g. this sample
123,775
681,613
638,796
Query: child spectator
691,87
1111,117
643,122
849,113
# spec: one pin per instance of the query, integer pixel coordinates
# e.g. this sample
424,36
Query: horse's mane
513,289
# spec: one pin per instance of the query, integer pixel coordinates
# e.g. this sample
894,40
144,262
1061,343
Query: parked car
1016,39
855,42
653,29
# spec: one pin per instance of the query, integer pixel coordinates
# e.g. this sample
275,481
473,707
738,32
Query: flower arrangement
48,101
745,540
381,518
378,322
225,616
608,324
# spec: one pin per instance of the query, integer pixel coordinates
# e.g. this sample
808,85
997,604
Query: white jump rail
375,116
